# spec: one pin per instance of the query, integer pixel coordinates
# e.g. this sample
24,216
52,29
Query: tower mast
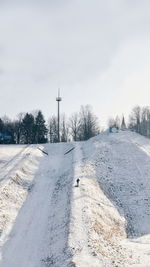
58,99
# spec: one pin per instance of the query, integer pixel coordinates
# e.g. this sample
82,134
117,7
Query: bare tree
139,120
136,117
64,129
145,116
114,122
74,126
148,121
18,127
89,123
117,122
53,129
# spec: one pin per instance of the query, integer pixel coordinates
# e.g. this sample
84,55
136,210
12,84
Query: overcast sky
97,52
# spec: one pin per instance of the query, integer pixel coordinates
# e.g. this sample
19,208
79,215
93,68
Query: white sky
97,52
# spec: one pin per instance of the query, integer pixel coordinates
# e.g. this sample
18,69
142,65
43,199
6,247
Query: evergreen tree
40,129
123,125
1,125
28,129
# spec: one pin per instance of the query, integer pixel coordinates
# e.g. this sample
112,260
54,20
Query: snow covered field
45,220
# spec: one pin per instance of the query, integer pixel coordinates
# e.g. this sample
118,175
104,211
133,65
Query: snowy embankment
114,202
48,221
40,232
18,165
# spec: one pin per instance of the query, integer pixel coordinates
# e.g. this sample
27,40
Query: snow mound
102,223
15,186
114,199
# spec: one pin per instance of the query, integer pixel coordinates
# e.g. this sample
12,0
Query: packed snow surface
47,220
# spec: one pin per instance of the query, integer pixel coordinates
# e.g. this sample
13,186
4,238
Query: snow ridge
48,221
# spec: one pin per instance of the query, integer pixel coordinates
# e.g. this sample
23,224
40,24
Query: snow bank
96,227
16,184
102,223
120,164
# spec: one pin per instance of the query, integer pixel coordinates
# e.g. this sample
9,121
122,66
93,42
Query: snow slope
120,165
46,220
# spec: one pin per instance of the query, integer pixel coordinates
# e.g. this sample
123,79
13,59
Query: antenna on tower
58,99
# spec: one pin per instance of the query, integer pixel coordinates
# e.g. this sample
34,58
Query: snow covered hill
46,220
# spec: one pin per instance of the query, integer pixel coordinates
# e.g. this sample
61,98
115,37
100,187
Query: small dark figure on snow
78,180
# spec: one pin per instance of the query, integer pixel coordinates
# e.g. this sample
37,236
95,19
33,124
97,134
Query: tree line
117,123
31,128
80,126
26,129
139,120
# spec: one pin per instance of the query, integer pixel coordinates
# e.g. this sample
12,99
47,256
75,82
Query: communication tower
58,99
